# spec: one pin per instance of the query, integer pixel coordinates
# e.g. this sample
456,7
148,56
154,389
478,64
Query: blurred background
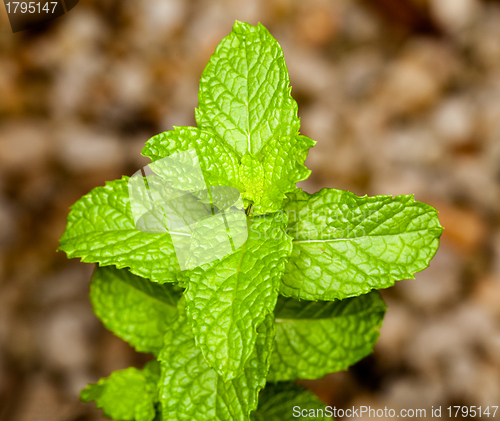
402,96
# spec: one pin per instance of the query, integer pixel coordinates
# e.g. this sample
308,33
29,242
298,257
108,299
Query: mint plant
231,336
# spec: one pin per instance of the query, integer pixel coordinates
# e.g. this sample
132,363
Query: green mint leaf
285,401
190,390
219,162
127,395
244,92
283,163
228,299
314,338
252,177
134,308
345,245
245,99
101,230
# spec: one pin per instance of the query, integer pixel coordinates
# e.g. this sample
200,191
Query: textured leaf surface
134,308
252,177
218,160
245,98
126,395
227,300
101,230
283,163
314,338
277,403
191,391
345,245
244,91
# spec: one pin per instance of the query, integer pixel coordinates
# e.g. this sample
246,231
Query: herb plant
231,337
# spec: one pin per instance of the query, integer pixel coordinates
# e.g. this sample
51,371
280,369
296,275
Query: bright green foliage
190,390
228,299
317,338
218,160
127,395
135,309
244,92
101,230
178,278
245,99
345,245
276,403
251,177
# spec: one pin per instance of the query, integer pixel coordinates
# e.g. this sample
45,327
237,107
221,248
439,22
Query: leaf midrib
309,319
333,240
